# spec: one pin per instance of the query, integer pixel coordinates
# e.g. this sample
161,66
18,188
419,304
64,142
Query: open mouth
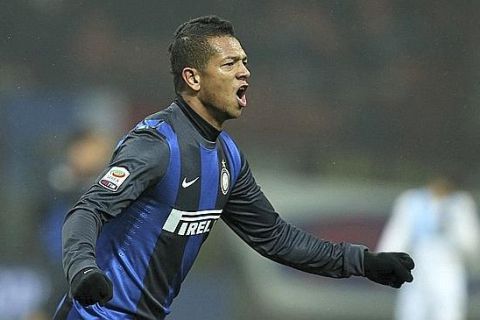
241,97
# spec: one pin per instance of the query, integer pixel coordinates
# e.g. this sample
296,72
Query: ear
191,76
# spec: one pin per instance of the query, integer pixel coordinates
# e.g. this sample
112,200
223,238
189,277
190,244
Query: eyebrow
236,58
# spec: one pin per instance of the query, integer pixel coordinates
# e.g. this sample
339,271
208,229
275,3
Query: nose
243,73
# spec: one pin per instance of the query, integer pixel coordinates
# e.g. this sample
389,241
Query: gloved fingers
396,284
399,270
103,301
402,273
391,279
405,260
410,278
92,286
98,279
106,294
86,301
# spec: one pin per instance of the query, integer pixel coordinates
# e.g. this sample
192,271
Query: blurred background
350,103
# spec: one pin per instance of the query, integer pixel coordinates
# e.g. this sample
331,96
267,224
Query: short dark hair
190,47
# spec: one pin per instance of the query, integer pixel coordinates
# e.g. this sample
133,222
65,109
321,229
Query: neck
203,111
208,131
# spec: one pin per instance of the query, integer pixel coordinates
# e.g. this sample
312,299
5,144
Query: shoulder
412,193
147,139
229,141
157,121
159,124
412,196
233,151
463,197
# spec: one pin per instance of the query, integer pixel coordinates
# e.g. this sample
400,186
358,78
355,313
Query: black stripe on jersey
166,261
190,168
189,194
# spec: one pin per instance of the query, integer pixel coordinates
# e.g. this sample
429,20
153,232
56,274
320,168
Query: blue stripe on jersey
233,156
148,123
190,254
168,188
74,315
126,259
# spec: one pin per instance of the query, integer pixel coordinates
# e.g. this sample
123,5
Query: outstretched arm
251,216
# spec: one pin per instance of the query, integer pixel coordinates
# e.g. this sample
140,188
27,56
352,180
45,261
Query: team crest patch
114,178
224,178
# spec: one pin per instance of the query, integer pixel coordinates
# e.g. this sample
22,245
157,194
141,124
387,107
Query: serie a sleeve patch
114,178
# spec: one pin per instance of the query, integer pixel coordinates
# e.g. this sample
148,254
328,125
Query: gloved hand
388,268
91,285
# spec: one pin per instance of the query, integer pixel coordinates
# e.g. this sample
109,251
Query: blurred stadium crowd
385,91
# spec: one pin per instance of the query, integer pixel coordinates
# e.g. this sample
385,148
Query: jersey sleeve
139,161
251,216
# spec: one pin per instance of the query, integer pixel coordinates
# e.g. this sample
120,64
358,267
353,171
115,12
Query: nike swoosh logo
87,271
186,184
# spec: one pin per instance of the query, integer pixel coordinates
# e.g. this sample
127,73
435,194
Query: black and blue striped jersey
144,220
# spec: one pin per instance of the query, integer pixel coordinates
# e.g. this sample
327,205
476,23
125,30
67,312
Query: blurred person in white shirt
438,225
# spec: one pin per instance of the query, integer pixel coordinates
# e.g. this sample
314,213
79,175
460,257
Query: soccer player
131,239
438,223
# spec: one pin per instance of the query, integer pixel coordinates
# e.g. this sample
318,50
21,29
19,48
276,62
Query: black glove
388,268
90,286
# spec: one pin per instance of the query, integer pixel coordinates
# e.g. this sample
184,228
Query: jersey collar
206,129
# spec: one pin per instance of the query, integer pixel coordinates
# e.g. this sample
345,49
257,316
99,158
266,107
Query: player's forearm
79,236
296,248
272,237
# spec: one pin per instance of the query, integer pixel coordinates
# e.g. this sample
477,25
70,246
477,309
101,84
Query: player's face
224,80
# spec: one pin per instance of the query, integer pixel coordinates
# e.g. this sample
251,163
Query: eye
229,64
